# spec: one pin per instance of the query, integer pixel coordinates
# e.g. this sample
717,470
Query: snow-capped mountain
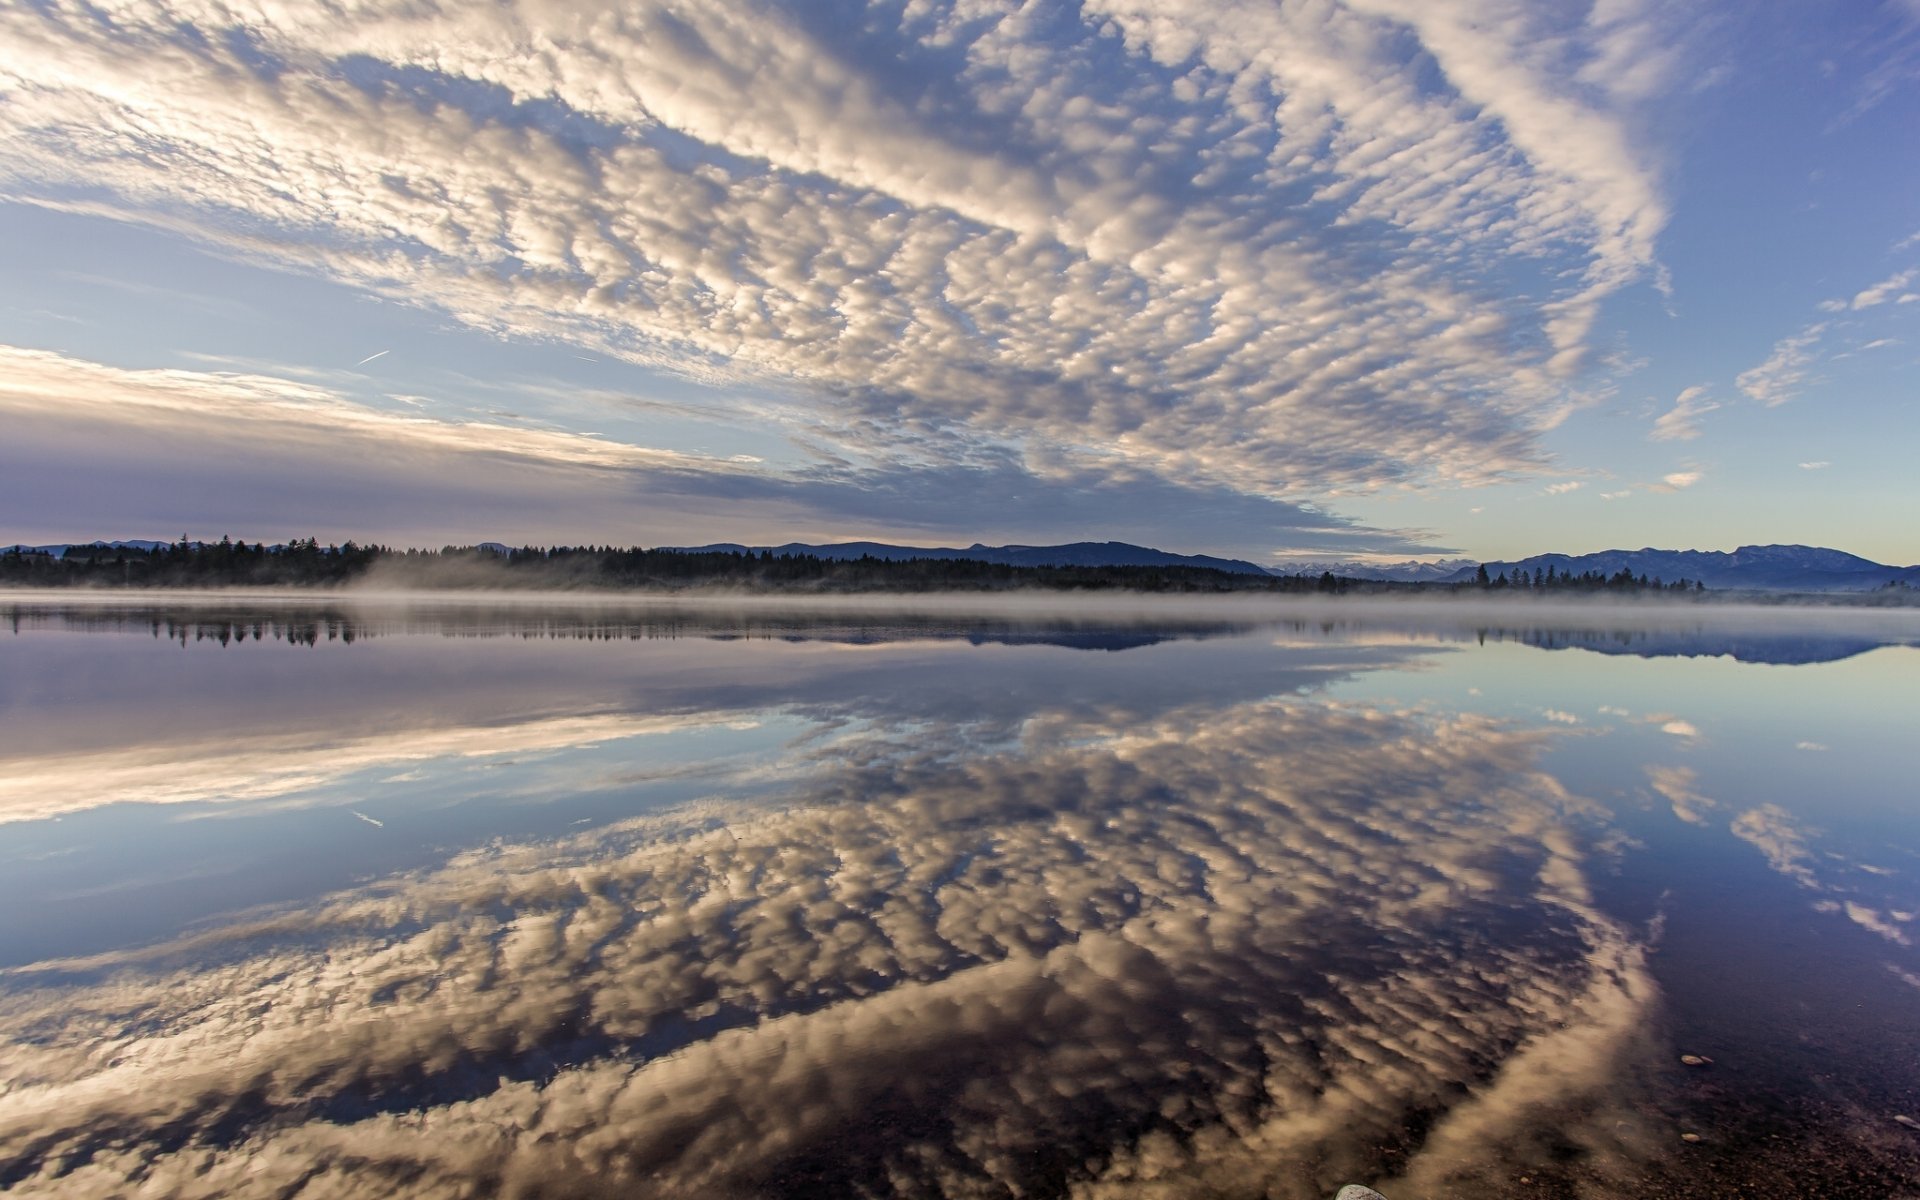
1411,571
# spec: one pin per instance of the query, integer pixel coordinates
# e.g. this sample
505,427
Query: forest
305,563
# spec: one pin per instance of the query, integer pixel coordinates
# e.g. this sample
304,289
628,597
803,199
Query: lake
956,898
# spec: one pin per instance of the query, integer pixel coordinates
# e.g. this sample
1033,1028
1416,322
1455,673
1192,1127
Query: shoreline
1034,604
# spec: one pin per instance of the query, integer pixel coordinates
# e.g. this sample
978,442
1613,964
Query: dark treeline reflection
1251,950
1671,635
313,626
1780,648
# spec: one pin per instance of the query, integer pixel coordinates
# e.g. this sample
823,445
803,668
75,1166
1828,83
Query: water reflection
1276,934
309,623
572,906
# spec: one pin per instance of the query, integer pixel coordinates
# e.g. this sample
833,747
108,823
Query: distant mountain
59,549
1074,554
1411,571
1756,568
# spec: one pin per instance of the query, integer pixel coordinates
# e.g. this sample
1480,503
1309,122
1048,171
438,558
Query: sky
1329,279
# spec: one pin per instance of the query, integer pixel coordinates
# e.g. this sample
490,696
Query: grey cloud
1024,506
213,443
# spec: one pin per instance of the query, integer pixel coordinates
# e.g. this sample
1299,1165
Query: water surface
353,898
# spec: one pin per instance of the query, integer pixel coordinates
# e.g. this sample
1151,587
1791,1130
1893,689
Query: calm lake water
1182,900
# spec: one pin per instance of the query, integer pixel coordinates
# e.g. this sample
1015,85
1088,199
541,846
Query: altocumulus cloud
1279,250
1234,949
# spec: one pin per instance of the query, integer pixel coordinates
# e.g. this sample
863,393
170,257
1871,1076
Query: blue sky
1369,277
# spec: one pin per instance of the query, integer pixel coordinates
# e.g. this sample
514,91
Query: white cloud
1680,787
1773,831
247,771
982,227
1817,465
1887,925
1675,481
1682,422
1889,288
1784,374
1561,489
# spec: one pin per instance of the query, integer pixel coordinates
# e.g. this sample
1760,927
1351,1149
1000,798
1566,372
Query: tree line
1554,580
305,562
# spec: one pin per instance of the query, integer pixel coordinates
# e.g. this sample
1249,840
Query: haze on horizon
1330,279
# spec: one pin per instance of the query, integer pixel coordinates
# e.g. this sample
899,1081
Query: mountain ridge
1068,554
1773,567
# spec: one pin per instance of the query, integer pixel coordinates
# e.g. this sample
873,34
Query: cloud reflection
1251,949
273,768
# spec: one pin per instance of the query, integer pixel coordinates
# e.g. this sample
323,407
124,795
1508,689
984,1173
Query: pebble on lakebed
1695,1060
1689,1137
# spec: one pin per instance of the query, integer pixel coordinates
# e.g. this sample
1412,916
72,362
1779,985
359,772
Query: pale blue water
1181,901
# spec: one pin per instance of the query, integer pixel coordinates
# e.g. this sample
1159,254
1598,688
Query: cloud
1682,422
1887,925
1819,465
1561,489
1282,252
1784,374
1675,481
1680,729
1242,923
37,384
248,771
1786,843
1680,787
1773,831
1889,288
188,448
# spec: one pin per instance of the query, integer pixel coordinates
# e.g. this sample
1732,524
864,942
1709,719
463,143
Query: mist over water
935,897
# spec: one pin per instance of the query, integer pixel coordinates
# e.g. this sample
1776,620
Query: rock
1906,1120
1695,1060
1689,1137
